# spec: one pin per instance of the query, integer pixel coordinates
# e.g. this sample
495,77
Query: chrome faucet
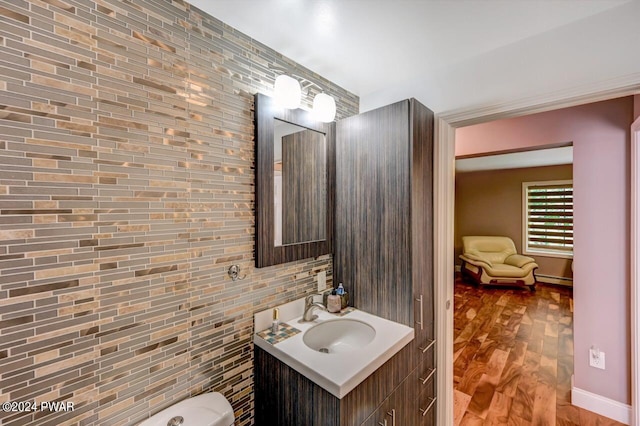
309,307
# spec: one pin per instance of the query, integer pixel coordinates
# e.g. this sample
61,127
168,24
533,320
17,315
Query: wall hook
234,272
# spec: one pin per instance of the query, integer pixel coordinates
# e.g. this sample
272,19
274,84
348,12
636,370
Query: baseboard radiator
550,279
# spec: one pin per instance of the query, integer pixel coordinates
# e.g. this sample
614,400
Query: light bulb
324,108
287,92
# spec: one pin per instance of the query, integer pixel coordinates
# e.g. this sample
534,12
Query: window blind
549,216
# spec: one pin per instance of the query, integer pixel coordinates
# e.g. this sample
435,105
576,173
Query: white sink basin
339,336
358,344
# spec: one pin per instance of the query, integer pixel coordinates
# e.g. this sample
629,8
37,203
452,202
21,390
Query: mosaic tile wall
126,192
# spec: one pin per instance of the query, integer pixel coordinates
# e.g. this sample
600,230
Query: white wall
599,49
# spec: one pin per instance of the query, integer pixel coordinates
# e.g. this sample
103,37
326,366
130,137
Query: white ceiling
385,48
515,160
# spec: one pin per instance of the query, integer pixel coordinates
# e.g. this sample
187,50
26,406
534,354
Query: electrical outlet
596,358
322,280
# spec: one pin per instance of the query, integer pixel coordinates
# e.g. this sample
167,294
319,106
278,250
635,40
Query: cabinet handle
421,322
426,410
392,413
429,376
383,424
429,346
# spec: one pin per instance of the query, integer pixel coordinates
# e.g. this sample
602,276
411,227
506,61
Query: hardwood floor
513,357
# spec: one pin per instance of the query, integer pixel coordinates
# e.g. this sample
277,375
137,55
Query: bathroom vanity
286,397
383,252
362,381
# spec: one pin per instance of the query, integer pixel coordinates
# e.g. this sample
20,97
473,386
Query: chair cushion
475,259
507,271
519,260
493,249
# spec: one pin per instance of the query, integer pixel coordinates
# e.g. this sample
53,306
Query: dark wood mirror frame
267,253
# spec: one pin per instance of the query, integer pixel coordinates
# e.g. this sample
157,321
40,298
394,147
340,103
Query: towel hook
234,273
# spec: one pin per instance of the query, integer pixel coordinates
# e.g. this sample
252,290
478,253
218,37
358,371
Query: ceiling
367,46
516,160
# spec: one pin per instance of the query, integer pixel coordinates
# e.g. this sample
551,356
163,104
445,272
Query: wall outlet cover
322,280
596,358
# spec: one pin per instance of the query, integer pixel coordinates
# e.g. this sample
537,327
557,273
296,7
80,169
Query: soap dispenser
334,302
275,324
344,296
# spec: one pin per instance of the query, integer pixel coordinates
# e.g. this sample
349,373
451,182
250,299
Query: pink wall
601,136
636,106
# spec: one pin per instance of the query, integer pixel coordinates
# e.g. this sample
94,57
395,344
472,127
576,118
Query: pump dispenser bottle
333,302
344,296
275,324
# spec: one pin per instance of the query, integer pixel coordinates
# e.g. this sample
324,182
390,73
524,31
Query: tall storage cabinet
384,238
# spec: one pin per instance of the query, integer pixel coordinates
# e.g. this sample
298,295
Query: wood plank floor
513,357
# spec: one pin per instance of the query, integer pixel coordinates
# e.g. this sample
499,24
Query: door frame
635,271
444,180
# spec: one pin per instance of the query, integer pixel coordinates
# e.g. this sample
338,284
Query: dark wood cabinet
384,229
285,397
384,205
424,380
411,403
397,409
385,415
373,211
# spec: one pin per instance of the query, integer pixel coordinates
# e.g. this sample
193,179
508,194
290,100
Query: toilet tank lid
208,409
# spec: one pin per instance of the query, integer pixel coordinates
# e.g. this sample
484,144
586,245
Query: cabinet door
404,403
422,252
373,211
422,221
399,409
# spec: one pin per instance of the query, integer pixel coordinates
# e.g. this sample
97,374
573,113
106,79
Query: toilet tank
209,409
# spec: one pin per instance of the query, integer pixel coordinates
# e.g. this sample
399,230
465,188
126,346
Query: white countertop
338,373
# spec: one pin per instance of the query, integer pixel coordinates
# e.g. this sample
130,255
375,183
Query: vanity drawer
426,401
382,416
428,418
424,379
398,409
426,350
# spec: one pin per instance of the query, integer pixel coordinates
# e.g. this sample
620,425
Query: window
548,218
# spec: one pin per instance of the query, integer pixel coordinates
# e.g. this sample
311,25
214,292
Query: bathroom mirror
295,175
300,184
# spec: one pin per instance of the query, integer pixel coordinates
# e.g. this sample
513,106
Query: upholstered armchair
494,261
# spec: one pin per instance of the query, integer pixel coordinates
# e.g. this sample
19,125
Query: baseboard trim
601,405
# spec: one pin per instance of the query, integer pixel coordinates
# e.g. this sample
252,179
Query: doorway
443,214
513,348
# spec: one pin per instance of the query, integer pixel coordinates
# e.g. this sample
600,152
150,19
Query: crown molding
578,95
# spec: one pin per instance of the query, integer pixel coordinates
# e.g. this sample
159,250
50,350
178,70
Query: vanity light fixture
287,92
324,108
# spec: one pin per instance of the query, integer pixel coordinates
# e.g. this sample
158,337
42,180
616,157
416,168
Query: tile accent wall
126,192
